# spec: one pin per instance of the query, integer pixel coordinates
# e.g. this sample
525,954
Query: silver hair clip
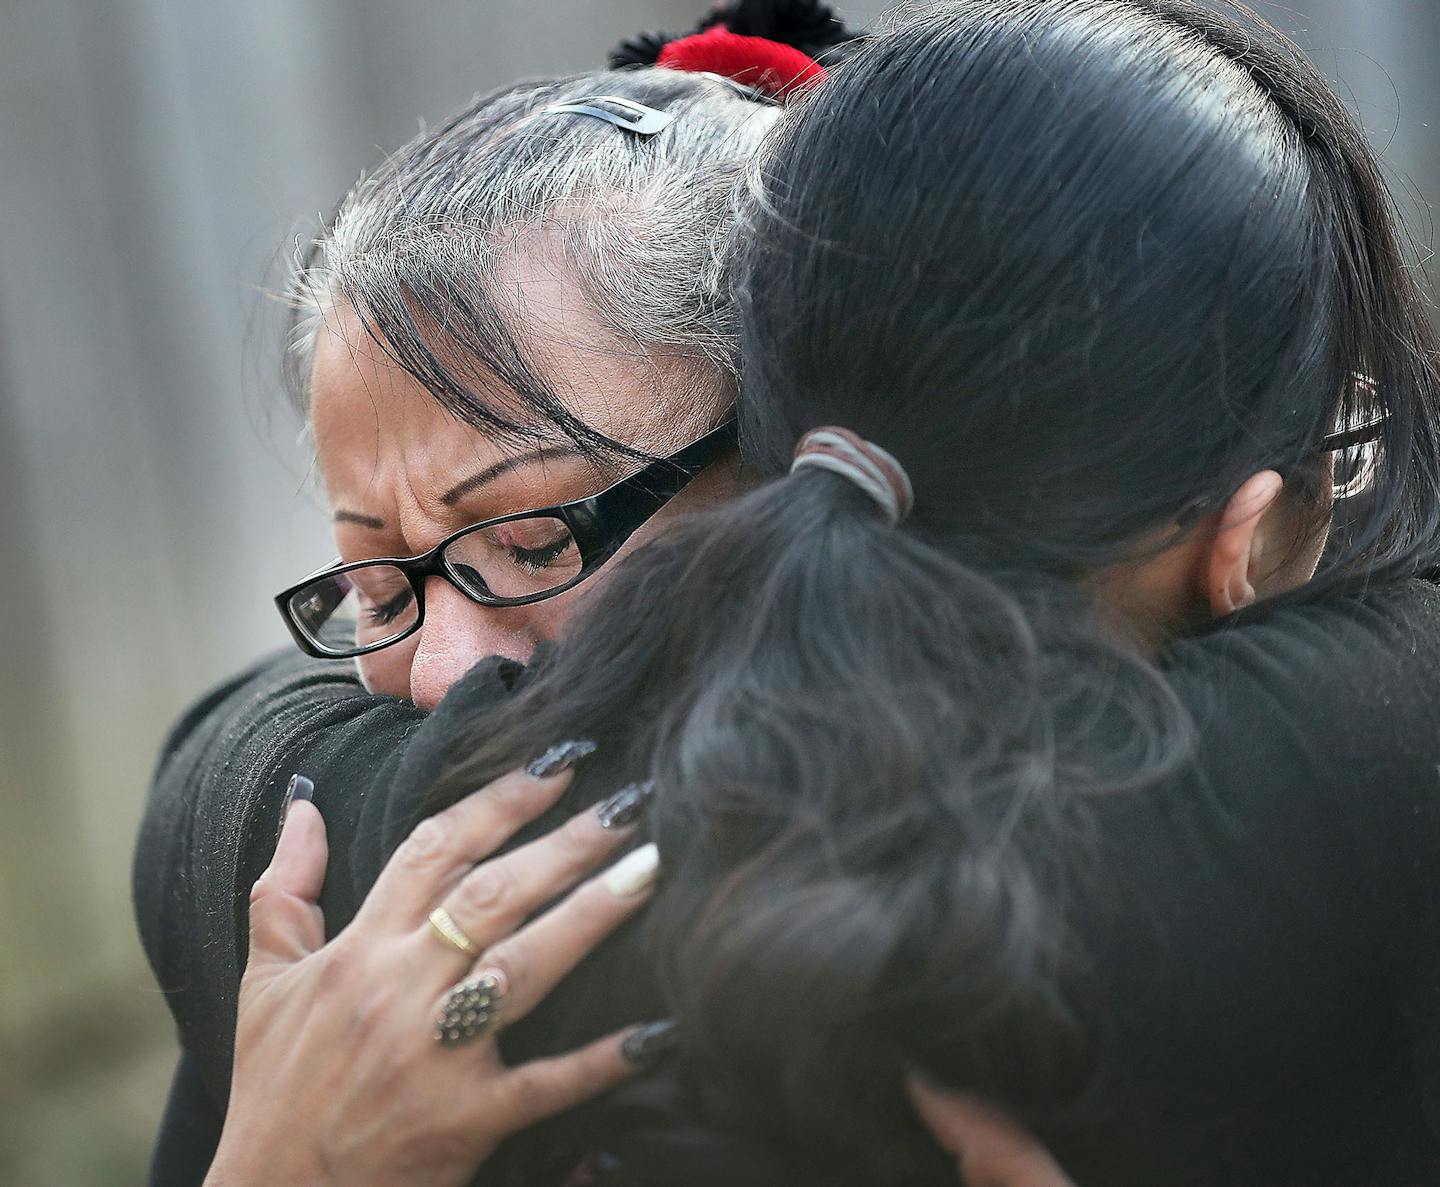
623,113
743,90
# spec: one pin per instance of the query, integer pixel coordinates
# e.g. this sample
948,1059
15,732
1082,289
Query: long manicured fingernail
651,1043
300,788
559,758
634,872
625,807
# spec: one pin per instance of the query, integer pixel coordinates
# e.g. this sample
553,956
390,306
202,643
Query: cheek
1307,560
549,619
1311,533
387,672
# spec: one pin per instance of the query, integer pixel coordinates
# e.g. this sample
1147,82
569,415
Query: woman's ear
1230,564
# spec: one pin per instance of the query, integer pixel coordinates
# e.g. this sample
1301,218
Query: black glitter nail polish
651,1043
626,806
559,758
300,788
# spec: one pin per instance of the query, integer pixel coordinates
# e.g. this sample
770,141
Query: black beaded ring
469,1011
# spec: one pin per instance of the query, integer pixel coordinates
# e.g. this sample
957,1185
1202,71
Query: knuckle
337,972
262,890
267,913
501,962
274,917
427,840
262,919
486,891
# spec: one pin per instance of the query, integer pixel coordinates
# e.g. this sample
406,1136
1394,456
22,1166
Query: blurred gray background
157,160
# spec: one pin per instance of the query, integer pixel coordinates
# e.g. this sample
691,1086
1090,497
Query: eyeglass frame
584,519
1365,433
592,523
1361,434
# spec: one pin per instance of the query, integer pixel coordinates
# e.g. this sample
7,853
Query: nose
456,635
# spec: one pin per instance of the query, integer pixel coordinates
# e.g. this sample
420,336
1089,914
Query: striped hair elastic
872,469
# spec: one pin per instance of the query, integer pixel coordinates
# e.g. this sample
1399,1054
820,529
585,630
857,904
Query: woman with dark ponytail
1007,734
1101,277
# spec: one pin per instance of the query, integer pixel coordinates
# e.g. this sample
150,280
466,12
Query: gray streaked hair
643,223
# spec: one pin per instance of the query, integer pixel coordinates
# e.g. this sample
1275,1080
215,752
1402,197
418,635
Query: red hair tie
770,67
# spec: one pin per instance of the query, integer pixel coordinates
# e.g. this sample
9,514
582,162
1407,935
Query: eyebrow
461,489
365,521
504,466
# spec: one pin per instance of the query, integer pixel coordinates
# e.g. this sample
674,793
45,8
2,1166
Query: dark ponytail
1083,266
875,758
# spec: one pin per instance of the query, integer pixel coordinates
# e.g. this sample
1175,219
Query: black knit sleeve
209,830
210,824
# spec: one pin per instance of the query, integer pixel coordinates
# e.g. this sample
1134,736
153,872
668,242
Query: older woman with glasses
350,610
514,345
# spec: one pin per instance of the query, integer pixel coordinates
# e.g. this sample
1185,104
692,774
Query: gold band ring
450,933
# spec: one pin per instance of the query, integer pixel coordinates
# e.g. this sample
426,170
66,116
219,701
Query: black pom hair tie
808,25
641,50
804,36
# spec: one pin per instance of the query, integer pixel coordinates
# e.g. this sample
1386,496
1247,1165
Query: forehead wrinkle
378,377
370,384
540,254
484,385
410,491
578,331
336,327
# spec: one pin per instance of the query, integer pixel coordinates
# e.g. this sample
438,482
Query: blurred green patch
88,1123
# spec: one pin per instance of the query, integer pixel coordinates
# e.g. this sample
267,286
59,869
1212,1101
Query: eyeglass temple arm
1360,435
633,501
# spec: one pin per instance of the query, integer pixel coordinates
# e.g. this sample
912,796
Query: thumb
286,923
990,1149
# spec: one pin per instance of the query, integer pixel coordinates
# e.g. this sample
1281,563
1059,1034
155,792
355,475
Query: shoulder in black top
1269,924
209,830
1265,923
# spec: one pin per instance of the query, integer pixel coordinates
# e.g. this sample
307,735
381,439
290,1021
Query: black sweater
1267,932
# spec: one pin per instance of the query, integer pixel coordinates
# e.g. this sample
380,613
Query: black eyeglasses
1356,445
353,609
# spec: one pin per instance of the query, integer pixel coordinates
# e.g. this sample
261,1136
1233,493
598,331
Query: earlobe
1228,565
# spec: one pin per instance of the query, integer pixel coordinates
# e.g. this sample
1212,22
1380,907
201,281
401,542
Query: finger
441,849
285,918
990,1148
543,1088
301,852
536,958
498,896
